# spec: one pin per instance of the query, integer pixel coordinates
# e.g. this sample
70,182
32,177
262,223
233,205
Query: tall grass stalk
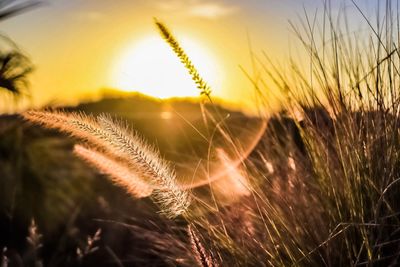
324,189
202,257
202,85
119,174
118,143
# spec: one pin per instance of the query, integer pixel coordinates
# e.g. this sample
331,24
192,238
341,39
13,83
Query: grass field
140,182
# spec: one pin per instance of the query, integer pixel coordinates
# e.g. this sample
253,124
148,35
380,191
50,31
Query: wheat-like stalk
117,141
202,85
118,173
76,124
130,145
200,253
4,259
90,245
34,240
34,237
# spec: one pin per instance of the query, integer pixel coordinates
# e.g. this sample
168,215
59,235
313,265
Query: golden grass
119,174
110,141
202,85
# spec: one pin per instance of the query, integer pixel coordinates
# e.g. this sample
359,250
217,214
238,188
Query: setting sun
150,67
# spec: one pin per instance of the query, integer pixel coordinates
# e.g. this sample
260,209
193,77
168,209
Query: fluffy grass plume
202,257
202,85
117,142
90,246
76,124
168,195
119,174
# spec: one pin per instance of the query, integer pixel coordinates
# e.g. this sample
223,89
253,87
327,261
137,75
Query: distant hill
179,128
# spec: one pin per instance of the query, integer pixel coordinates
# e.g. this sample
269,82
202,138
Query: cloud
198,8
212,10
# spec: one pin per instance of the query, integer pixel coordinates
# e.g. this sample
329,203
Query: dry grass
122,154
320,191
119,174
202,257
202,85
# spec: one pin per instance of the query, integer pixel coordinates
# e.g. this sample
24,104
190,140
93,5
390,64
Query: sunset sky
80,47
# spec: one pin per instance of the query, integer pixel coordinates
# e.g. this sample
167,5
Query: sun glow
149,66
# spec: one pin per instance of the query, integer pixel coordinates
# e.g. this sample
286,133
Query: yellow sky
77,45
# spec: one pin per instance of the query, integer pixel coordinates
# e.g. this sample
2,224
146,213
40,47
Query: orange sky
77,45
